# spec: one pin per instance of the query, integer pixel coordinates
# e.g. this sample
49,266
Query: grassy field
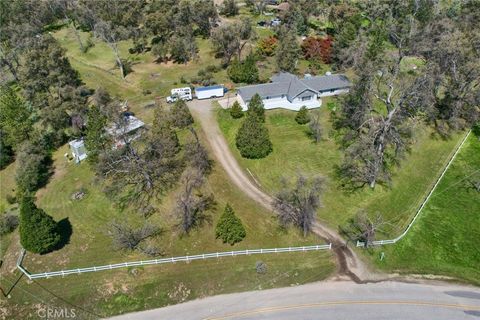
294,151
120,291
109,293
7,183
96,67
112,292
444,240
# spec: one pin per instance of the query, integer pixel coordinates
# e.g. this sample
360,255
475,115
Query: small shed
77,148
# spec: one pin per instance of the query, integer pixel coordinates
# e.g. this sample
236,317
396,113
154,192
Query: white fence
165,260
417,214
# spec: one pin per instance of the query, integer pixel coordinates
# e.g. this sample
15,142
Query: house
127,129
287,91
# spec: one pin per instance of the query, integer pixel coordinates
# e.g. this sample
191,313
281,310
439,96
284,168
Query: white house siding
243,104
332,93
279,102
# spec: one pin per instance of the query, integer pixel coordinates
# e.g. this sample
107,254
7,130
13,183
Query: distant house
287,91
128,129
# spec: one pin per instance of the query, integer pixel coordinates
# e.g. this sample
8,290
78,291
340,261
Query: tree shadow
65,230
345,184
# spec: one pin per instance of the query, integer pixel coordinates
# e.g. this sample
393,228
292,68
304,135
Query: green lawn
7,183
445,238
293,151
96,68
113,292
7,188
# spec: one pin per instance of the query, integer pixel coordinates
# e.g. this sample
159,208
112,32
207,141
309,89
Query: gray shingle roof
287,84
264,90
325,83
282,77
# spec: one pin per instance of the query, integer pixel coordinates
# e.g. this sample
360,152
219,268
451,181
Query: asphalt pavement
331,300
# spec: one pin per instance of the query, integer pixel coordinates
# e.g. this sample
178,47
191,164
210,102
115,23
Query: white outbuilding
77,148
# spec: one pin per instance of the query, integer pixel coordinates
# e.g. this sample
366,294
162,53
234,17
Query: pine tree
6,152
244,72
256,108
302,116
252,139
38,230
15,117
288,51
236,110
476,129
230,228
181,116
33,166
96,140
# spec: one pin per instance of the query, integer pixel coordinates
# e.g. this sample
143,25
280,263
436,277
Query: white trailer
209,92
180,93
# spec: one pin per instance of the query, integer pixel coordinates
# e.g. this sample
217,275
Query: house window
306,98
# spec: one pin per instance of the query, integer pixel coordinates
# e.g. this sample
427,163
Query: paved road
347,262
331,300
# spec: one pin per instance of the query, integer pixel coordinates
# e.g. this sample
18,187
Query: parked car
275,22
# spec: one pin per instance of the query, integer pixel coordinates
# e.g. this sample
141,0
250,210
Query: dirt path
348,264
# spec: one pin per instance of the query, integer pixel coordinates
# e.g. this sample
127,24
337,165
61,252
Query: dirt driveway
203,111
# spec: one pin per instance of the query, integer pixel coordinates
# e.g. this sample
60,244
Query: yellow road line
335,303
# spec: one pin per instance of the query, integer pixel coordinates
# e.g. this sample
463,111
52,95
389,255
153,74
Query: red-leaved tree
266,46
315,48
